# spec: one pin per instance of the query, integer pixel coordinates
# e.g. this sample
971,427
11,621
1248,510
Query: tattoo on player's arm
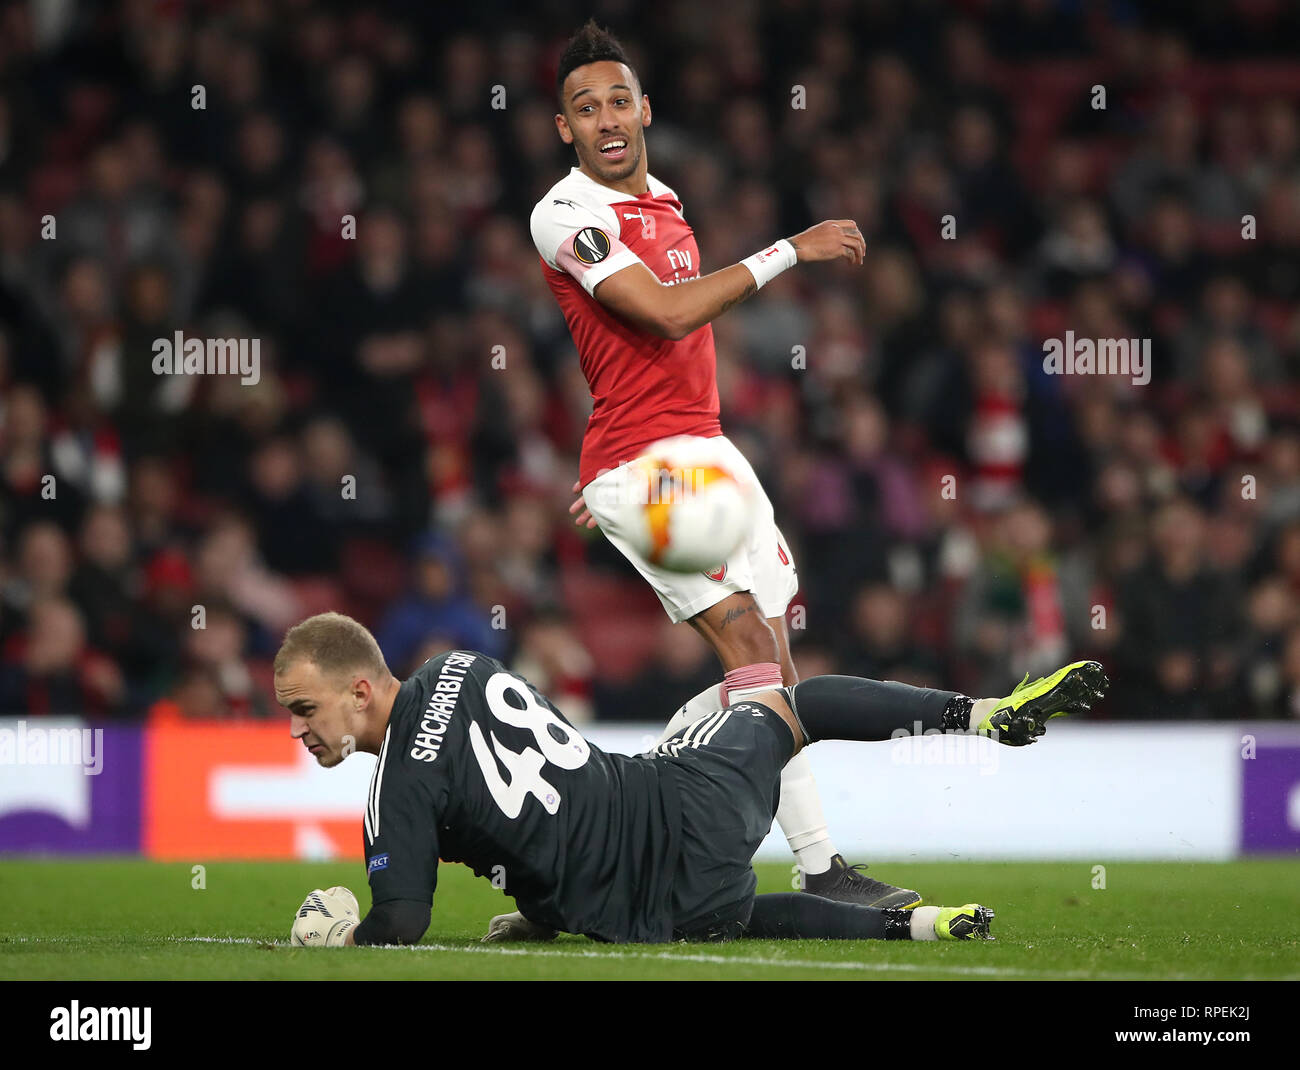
744,294
734,614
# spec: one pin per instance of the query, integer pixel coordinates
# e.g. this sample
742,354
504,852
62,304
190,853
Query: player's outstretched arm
673,312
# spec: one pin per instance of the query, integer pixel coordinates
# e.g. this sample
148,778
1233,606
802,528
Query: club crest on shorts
591,245
719,574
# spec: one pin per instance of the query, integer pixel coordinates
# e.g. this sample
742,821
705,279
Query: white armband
773,260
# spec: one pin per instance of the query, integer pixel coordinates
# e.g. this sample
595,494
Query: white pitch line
224,940
722,960
707,959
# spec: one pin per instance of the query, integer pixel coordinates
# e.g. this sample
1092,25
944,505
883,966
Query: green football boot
970,922
1022,717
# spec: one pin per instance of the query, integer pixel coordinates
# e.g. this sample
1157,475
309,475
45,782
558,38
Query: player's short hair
590,44
336,643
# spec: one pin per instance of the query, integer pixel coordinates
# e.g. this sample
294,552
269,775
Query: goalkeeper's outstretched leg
852,707
789,916
783,916
848,707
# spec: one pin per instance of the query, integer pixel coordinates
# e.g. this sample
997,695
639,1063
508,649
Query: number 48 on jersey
557,743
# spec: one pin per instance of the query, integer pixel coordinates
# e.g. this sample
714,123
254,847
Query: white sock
707,701
923,919
800,814
981,708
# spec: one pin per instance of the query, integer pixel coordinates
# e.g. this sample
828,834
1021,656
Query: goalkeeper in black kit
475,765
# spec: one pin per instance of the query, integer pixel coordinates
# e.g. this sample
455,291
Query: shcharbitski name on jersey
442,704
585,841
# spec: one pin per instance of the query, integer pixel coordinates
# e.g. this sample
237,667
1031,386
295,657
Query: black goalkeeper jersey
478,766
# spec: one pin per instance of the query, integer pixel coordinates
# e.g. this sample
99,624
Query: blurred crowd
350,184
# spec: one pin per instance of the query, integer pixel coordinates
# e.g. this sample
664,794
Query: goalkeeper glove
325,918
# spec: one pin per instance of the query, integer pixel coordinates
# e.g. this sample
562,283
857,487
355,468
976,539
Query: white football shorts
762,563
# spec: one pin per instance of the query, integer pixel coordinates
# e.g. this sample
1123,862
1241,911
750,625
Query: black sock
853,707
799,916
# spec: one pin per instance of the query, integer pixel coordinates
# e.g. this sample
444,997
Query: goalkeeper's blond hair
337,644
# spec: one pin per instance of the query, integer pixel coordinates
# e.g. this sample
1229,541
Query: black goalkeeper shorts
727,769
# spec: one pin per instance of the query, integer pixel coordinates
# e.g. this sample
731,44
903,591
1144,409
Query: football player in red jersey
623,263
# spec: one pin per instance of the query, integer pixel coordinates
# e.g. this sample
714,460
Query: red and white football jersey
644,387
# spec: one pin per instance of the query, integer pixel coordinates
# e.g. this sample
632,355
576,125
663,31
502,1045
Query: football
687,510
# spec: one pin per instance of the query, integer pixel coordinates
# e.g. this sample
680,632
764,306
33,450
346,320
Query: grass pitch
135,920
